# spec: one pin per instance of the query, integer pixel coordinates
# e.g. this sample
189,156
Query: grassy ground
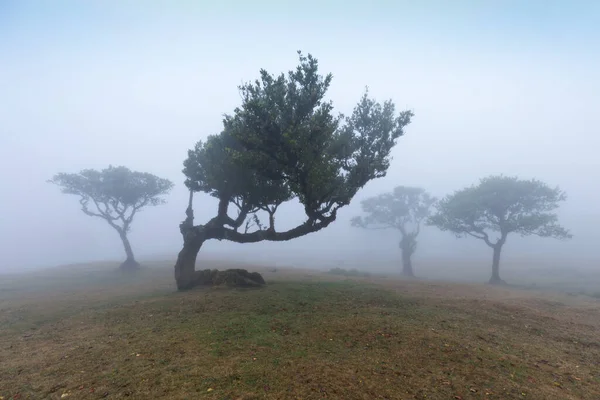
90,333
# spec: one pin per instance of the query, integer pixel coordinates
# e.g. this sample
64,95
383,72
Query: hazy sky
497,87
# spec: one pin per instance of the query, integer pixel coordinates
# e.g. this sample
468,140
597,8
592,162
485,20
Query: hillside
88,332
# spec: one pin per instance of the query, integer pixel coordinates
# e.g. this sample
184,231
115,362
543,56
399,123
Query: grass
306,335
349,272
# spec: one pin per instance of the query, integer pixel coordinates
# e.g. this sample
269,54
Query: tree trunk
407,269
129,263
495,279
185,267
408,245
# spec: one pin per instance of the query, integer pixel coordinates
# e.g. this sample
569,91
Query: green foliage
212,168
115,193
504,205
284,142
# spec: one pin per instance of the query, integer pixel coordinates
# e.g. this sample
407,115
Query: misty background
508,87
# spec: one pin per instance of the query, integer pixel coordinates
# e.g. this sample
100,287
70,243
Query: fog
508,88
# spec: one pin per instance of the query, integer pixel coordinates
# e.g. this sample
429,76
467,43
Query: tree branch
271,211
401,228
102,214
270,235
224,219
480,235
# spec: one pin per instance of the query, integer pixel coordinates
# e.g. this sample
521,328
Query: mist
507,89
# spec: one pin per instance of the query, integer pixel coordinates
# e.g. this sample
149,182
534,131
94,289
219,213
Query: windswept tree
284,143
115,194
498,206
403,209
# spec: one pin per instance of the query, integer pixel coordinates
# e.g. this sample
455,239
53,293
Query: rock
229,277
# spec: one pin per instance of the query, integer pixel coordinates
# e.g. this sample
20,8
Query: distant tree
501,205
115,194
284,143
403,209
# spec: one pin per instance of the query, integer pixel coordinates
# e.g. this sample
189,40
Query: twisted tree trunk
185,267
408,245
186,276
407,269
130,263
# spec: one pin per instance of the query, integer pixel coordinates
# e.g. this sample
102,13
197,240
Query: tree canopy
284,142
403,209
504,205
114,194
498,206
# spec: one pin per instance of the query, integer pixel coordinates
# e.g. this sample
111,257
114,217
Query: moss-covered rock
228,277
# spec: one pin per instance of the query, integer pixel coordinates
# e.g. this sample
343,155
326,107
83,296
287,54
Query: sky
497,87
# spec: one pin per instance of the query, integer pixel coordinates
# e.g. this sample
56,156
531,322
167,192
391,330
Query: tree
501,205
403,209
284,143
115,194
